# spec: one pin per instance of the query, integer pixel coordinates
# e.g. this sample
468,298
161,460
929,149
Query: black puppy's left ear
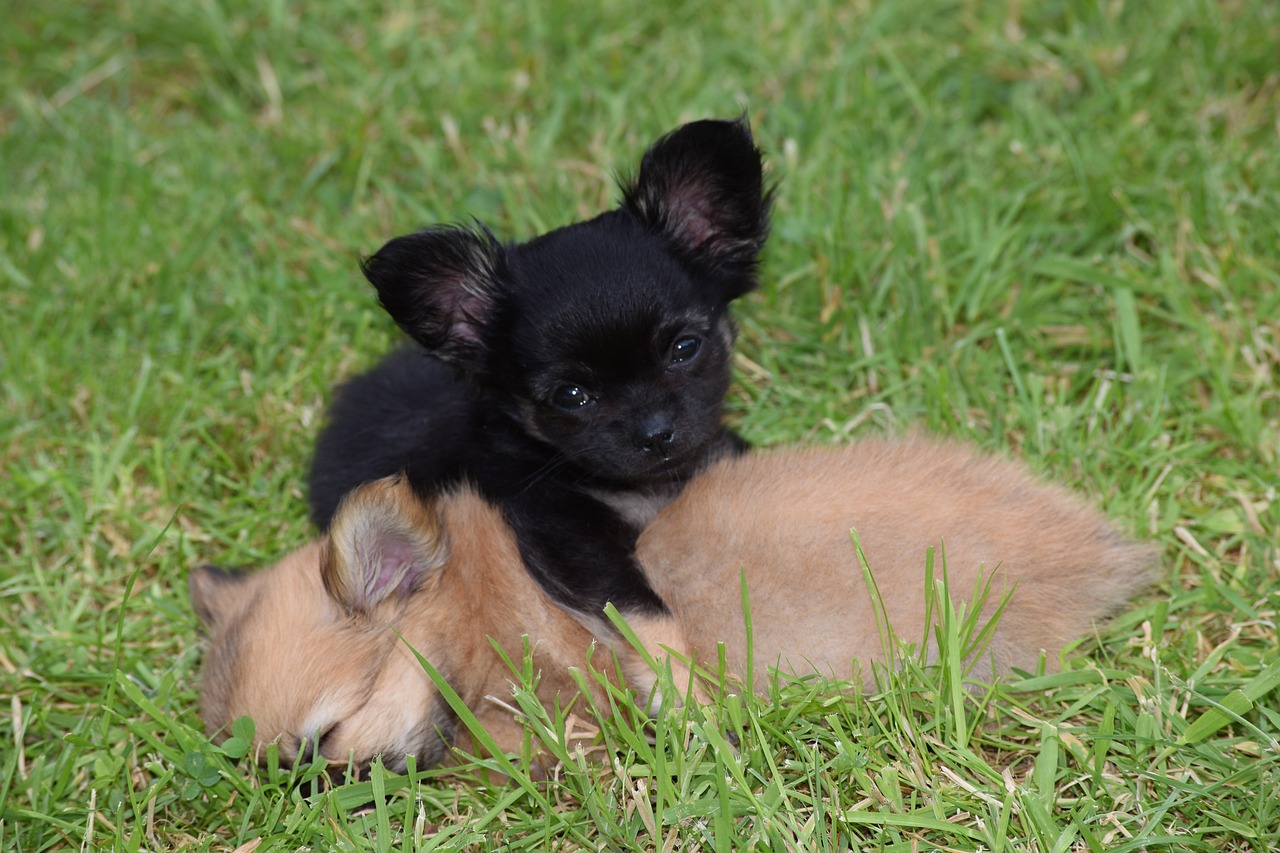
702,187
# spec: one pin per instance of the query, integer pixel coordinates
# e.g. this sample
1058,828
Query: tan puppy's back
784,518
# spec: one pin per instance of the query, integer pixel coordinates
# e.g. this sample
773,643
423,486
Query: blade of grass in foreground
497,759
1233,706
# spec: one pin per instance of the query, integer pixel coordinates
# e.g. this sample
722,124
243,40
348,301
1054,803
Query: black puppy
577,379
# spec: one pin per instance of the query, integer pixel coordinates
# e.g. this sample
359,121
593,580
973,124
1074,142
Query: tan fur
783,518
487,598
309,643
299,660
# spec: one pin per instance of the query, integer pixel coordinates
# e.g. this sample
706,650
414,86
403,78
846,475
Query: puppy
308,649
576,379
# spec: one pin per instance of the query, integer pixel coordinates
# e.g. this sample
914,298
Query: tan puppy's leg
663,640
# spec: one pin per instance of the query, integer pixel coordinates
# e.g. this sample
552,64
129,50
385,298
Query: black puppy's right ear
216,593
384,542
441,286
702,187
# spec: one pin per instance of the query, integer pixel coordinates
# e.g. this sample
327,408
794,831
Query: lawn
1048,228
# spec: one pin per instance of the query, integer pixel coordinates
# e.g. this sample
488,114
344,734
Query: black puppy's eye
570,397
685,348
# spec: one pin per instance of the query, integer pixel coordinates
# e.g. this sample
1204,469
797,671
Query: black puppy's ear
217,592
383,544
442,287
702,187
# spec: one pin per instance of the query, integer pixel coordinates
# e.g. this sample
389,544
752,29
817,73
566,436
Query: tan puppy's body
307,648
782,519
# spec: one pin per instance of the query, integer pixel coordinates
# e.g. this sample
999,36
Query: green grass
1048,228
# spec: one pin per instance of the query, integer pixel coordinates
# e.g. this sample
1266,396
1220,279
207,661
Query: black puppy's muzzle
655,436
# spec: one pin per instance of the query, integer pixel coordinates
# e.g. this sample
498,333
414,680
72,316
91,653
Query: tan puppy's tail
1070,588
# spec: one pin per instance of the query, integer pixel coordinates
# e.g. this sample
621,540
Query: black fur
578,378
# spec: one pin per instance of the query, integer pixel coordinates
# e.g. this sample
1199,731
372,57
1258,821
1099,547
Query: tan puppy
307,649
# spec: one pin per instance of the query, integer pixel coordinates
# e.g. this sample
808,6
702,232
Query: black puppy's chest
576,534
636,506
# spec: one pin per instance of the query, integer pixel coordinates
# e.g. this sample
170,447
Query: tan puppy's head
307,647
319,649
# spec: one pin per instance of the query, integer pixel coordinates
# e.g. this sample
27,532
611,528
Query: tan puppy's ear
383,544
216,593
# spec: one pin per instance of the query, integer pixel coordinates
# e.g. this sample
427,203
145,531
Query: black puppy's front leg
581,552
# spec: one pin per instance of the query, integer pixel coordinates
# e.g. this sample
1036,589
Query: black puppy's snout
655,434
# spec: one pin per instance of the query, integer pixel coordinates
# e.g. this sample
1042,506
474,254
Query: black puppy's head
609,339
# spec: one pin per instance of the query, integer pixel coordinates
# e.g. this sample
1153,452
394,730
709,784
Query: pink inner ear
467,307
690,214
397,567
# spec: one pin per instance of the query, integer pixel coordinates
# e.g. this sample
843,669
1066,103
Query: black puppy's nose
655,434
